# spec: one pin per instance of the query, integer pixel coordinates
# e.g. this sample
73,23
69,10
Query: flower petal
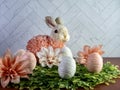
20,52
49,65
5,81
21,65
41,54
38,54
16,79
43,64
50,58
86,49
80,53
44,50
25,76
57,52
97,49
50,51
7,58
24,72
43,59
1,64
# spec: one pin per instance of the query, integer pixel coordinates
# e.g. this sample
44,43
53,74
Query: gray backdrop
89,22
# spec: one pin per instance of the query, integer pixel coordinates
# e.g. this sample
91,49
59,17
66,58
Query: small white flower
48,56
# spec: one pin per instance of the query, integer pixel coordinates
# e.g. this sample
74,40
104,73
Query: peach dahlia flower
12,68
87,50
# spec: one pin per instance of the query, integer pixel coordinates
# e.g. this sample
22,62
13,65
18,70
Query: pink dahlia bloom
12,68
87,50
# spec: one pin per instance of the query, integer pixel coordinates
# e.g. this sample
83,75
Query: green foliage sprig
48,78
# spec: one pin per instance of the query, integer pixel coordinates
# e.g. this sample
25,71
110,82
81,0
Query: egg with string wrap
94,63
67,66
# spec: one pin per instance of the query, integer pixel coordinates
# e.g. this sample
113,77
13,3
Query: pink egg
94,62
27,56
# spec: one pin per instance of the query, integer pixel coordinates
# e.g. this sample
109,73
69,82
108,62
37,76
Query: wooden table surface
115,86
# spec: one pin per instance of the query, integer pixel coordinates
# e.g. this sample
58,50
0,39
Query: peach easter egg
27,56
94,63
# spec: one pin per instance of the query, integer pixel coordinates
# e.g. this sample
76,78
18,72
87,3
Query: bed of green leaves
48,79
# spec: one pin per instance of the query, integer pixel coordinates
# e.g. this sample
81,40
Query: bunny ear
50,22
58,20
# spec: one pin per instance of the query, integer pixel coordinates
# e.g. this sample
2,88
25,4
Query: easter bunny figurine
59,35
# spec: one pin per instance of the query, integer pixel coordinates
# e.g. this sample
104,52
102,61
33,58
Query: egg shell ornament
65,51
94,63
67,67
28,56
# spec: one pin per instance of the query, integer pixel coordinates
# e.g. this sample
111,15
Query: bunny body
36,43
59,35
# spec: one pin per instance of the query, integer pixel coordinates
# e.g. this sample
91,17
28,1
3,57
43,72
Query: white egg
67,67
65,51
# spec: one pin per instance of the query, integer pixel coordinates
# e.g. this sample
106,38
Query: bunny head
59,31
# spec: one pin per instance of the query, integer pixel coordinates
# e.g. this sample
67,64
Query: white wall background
89,22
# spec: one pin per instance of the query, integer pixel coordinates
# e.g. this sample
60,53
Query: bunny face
59,31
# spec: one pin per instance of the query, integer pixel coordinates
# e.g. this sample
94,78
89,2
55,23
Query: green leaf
45,78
